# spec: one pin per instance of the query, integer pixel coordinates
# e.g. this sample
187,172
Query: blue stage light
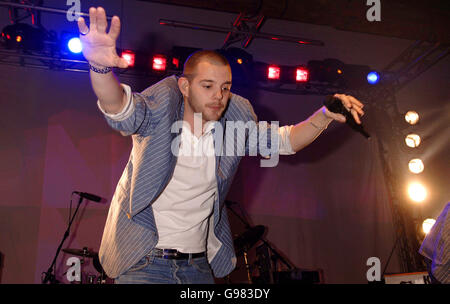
75,45
373,77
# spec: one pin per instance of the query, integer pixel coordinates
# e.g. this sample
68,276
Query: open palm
99,47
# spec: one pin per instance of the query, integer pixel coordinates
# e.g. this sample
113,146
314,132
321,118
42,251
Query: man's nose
219,94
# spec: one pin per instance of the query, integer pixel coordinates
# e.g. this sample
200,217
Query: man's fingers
355,116
93,19
345,101
350,103
82,27
358,109
355,101
114,30
102,24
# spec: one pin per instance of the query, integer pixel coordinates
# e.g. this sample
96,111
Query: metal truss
310,88
241,24
415,60
17,14
242,31
54,62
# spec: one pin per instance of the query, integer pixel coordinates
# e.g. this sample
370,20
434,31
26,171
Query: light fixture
130,57
412,140
373,77
416,165
417,192
176,62
427,225
159,63
74,45
412,117
301,74
273,72
23,36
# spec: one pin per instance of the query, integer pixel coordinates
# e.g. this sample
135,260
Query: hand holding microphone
345,108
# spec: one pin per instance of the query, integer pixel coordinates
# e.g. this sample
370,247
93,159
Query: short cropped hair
195,58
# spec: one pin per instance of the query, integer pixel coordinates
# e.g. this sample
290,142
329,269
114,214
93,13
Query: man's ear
183,85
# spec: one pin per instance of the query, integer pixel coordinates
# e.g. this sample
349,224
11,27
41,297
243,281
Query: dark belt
174,254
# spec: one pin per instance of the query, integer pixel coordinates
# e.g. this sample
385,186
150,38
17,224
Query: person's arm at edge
305,132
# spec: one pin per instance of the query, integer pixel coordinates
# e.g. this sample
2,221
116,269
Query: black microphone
88,196
335,105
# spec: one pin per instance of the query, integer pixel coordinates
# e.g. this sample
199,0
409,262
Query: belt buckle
170,253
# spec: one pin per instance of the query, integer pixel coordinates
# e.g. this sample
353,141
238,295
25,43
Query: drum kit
85,253
267,258
244,242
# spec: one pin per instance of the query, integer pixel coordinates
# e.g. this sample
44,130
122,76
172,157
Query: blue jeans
155,270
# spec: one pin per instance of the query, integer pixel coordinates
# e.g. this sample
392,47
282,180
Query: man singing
167,222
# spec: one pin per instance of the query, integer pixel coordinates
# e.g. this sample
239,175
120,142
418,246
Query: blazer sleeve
144,110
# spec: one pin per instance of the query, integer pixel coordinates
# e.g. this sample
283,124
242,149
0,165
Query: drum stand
247,266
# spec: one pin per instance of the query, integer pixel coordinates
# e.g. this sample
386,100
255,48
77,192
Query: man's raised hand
99,47
351,104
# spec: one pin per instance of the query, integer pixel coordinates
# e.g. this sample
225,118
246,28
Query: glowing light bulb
412,140
427,225
417,192
412,117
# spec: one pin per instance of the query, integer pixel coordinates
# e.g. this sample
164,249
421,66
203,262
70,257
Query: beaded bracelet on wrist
100,71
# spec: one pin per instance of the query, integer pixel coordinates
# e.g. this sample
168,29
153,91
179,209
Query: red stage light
129,56
273,72
159,63
176,62
302,75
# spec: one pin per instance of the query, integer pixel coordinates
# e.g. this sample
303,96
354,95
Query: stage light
373,77
273,72
412,140
329,71
129,56
70,45
23,36
412,117
159,63
241,64
416,165
75,45
176,62
417,192
302,74
427,225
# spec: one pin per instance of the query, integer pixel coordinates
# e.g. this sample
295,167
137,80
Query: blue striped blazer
130,231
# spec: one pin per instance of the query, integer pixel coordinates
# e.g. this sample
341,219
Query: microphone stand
49,275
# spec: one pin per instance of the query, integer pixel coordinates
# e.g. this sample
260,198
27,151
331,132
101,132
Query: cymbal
248,239
81,252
